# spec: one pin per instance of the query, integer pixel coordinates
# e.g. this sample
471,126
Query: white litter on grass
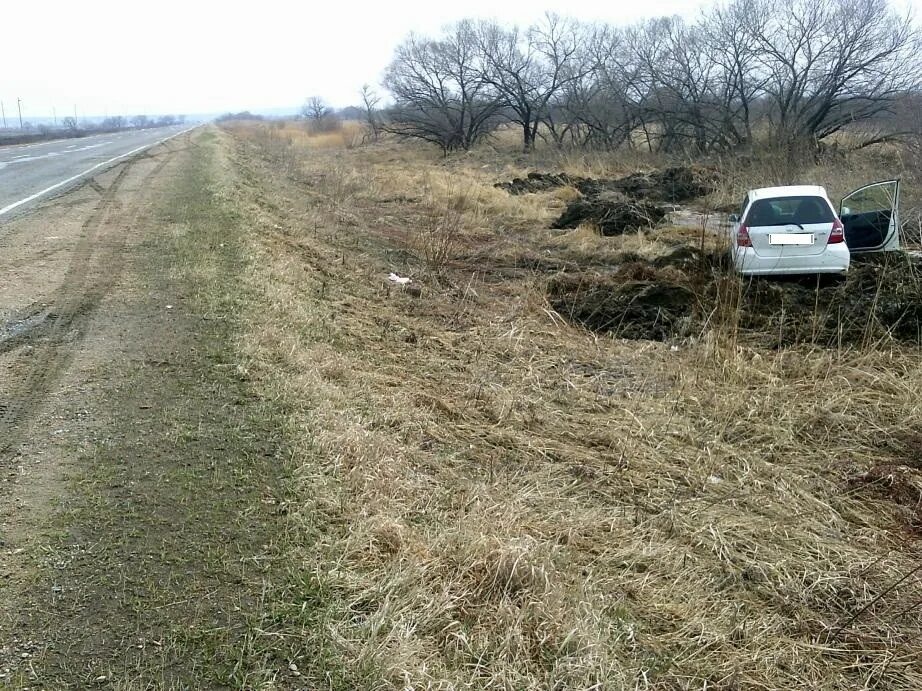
394,278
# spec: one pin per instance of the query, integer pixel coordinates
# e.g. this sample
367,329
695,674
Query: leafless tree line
793,72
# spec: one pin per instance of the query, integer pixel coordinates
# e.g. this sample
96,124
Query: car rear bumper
833,260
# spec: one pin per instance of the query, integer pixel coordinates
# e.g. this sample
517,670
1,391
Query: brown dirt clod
536,182
676,184
881,298
638,309
613,216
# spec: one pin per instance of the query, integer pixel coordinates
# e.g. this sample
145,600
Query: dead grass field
490,496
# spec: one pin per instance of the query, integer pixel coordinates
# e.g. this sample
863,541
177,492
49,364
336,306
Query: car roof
788,191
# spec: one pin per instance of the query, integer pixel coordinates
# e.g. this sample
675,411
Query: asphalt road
28,170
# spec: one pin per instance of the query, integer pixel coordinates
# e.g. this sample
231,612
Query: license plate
791,238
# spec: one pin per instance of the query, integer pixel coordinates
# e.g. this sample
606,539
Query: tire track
53,330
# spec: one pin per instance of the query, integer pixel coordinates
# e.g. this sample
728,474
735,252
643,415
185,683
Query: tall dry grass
487,496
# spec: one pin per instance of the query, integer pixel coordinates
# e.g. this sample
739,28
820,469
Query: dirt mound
682,257
536,182
678,184
620,205
612,215
592,187
879,300
645,309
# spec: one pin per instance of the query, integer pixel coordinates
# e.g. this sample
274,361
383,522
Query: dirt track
128,459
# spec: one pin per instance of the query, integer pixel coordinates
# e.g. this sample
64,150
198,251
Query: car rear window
783,210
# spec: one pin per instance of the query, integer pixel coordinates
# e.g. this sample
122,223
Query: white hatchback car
795,229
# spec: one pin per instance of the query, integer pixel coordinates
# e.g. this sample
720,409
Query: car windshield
782,211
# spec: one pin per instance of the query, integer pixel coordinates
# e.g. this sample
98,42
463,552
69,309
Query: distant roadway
31,172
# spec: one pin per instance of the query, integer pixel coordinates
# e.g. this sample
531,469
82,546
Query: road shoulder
141,529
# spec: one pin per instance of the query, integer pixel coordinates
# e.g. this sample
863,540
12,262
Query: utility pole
75,115
54,115
19,107
3,112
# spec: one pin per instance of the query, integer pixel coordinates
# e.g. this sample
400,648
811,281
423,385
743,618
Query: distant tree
315,109
70,123
371,114
114,122
242,115
140,121
350,113
320,117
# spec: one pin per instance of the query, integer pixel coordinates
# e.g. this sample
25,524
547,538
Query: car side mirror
734,218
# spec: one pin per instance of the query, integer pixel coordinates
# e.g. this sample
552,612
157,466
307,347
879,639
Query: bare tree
315,109
113,122
320,117
529,70
681,101
831,63
801,70
440,91
728,33
370,101
597,108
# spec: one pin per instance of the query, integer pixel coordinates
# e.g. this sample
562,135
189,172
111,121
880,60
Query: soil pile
646,309
669,185
612,214
879,300
537,182
620,205
678,184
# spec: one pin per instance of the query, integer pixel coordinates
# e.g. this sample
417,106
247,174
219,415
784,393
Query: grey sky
187,56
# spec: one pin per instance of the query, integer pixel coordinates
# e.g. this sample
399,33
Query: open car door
871,216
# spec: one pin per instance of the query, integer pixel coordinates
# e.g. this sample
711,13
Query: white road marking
32,197
25,158
53,142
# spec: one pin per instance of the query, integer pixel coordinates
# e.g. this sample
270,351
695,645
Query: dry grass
489,497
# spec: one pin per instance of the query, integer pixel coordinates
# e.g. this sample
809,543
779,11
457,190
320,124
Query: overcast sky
190,56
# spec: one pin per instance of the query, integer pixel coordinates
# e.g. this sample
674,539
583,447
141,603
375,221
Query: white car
796,230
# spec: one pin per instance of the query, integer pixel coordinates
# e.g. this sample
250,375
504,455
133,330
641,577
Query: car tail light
742,237
837,234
